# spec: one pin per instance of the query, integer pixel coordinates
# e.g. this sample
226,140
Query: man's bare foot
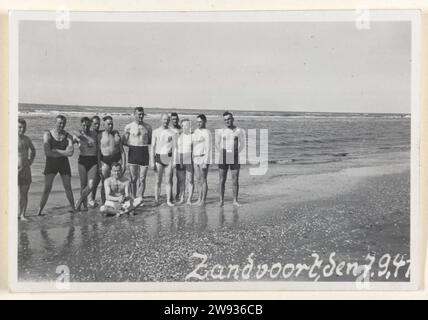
189,202
221,204
22,218
170,204
236,203
201,204
40,213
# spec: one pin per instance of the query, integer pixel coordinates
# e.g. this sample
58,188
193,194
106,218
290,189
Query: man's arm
47,147
68,152
32,151
125,136
208,141
153,149
241,140
108,192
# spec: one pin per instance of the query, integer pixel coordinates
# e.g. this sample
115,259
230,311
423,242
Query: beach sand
352,208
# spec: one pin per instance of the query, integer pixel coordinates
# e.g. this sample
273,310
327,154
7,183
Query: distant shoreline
59,107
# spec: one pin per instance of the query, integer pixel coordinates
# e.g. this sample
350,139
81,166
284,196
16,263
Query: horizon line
207,109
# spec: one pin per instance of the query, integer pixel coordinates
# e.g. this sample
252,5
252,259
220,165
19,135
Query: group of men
173,149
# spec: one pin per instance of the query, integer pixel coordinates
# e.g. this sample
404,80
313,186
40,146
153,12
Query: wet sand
352,209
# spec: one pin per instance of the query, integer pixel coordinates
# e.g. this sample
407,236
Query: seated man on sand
119,199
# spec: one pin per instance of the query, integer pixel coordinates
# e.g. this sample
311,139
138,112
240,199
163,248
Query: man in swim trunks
88,161
138,137
26,155
96,123
175,126
164,144
184,166
230,141
119,199
110,151
58,146
201,156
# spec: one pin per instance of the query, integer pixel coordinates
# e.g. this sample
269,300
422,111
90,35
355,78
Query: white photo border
413,16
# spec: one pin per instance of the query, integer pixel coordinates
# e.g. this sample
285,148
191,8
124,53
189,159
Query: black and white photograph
214,150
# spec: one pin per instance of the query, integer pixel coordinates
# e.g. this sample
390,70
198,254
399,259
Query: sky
276,66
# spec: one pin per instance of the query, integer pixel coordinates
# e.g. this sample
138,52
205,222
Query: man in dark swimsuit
88,161
110,151
96,122
58,146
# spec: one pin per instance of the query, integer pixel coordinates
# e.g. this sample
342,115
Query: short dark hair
60,116
85,119
139,109
202,117
227,113
22,121
107,118
174,114
116,164
95,117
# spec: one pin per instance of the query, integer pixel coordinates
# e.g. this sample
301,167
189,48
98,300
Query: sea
297,138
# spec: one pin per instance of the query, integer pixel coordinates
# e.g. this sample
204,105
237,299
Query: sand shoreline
299,214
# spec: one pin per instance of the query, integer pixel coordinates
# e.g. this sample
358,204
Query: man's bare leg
159,176
168,184
83,175
134,171
204,185
66,182
181,183
91,176
142,187
49,178
235,186
23,201
105,172
222,177
190,186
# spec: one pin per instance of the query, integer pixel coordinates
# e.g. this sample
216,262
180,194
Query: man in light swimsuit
230,141
26,155
175,126
58,146
119,199
96,123
110,151
88,161
202,156
184,166
164,142
138,137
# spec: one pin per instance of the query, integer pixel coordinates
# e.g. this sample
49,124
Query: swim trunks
109,160
160,157
184,161
88,161
24,176
138,155
59,165
230,160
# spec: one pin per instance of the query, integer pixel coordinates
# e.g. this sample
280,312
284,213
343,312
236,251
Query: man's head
96,122
139,114
108,123
116,170
174,119
201,121
22,126
165,118
60,122
186,125
228,119
86,123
